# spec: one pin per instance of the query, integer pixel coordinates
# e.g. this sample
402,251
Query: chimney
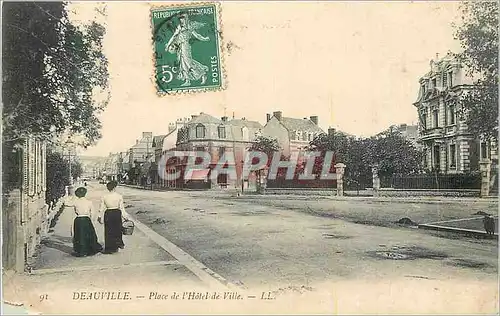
314,119
268,117
172,127
278,115
331,131
224,119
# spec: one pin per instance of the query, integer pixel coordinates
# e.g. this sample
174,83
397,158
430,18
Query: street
187,241
272,247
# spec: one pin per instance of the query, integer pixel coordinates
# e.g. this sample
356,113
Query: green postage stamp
187,48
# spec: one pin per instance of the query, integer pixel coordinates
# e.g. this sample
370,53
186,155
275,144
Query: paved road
266,247
311,264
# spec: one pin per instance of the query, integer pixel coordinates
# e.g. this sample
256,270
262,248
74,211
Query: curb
205,274
456,230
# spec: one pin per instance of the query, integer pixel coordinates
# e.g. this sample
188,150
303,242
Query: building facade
142,151
25,214
206,133
448,146
292,134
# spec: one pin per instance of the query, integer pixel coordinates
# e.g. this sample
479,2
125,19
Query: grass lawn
379,213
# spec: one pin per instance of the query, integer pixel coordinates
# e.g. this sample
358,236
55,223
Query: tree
57,176
337,143
389,150
51,71
76,169
266,145
393,154
478,34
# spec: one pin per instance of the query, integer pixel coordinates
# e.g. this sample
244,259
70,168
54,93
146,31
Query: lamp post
69,144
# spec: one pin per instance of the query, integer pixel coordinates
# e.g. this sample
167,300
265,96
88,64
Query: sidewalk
141,268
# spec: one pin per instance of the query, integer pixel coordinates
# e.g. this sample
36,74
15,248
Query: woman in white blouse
84,236
112,208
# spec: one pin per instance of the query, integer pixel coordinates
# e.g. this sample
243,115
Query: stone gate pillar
376,180
485,167
339,171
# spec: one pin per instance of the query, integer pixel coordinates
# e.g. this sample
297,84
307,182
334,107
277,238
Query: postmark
187,48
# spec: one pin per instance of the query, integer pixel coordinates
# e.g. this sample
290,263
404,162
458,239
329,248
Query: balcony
431,133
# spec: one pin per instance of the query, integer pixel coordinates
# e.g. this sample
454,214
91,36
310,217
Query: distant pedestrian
112,207
84,236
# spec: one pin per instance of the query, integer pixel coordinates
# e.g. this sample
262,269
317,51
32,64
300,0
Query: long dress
85,241
113,234
112,206
189,69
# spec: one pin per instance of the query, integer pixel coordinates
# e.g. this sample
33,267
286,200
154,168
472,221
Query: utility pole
70,144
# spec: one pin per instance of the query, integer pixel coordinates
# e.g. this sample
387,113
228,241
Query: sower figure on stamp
84,235
189,69
112,207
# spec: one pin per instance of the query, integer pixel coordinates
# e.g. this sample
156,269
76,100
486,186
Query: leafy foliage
58,175
389,150
266,145
478,34
393,154
51,69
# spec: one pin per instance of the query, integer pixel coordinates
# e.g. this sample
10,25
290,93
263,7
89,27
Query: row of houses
448,146
204,132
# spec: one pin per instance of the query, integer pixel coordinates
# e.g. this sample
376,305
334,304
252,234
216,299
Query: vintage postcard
259,157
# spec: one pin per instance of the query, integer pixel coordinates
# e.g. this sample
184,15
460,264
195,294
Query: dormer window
221,131
244,133
200,131
304,136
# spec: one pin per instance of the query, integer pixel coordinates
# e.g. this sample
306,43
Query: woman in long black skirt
84,236
112,207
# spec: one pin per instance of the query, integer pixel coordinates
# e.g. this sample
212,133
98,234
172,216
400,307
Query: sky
356,65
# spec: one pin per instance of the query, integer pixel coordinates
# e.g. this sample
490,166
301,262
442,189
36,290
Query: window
435,115
452,114
304,136
309,137
436,156
244,133
484,150
200,131
199,148
433,83
445,81
453,156
423,89
450,79
221,131
424,121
